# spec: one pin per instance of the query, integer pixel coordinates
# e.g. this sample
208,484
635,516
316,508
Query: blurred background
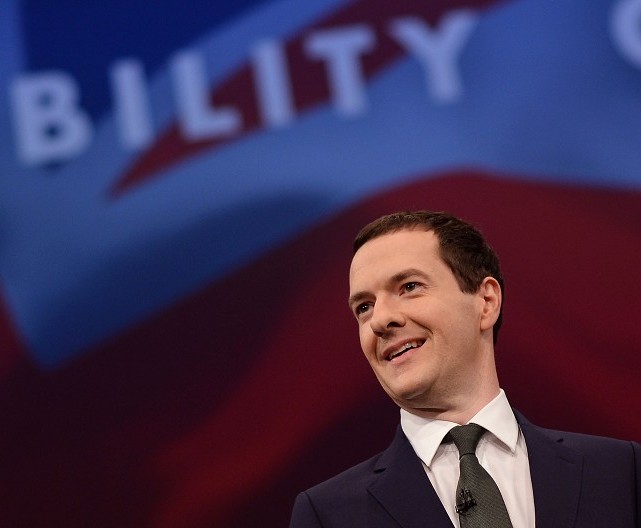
180,182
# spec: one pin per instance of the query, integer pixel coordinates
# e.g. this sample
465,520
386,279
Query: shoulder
585,441
599,478
336,500
350,487
348,483
603,448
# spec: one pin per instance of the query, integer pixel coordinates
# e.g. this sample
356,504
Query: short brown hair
462,247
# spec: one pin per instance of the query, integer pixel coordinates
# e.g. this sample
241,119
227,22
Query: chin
408,395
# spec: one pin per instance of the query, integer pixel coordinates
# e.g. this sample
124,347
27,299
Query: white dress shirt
501,451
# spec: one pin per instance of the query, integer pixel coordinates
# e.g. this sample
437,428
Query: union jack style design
180,183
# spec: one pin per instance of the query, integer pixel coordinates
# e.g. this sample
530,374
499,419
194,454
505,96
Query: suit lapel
556,476
403,489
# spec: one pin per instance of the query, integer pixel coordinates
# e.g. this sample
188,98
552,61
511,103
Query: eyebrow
394,279
357,298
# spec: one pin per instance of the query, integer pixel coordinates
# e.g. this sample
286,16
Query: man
426,291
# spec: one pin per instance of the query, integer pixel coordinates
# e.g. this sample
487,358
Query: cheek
368,342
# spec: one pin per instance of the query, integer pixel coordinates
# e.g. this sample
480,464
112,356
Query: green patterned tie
478,499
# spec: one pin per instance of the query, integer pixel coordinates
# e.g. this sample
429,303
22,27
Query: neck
458,410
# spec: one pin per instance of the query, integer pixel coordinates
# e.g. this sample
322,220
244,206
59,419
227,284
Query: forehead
391,252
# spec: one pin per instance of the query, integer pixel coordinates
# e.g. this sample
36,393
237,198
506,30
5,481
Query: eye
410,286
362,308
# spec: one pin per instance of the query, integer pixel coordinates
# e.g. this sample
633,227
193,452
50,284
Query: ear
490,292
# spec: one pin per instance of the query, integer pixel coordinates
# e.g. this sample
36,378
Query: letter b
49,125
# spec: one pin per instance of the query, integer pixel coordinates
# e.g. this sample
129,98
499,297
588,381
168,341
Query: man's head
461,246
425,290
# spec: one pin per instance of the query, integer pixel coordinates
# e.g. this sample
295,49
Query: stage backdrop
180,182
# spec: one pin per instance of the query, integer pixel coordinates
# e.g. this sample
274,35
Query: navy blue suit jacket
579,481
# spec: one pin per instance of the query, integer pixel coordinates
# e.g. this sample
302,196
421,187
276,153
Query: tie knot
466,438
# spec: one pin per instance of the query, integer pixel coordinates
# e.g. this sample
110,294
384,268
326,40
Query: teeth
404,348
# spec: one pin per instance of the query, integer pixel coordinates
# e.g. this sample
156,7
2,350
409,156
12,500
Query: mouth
409,345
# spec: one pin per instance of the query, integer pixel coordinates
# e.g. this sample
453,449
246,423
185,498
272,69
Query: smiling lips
409,345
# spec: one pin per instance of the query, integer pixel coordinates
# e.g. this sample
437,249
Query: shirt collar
425,434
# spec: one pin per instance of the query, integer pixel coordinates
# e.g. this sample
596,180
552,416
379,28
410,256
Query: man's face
426,340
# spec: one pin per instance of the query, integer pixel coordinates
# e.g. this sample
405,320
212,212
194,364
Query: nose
386,314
